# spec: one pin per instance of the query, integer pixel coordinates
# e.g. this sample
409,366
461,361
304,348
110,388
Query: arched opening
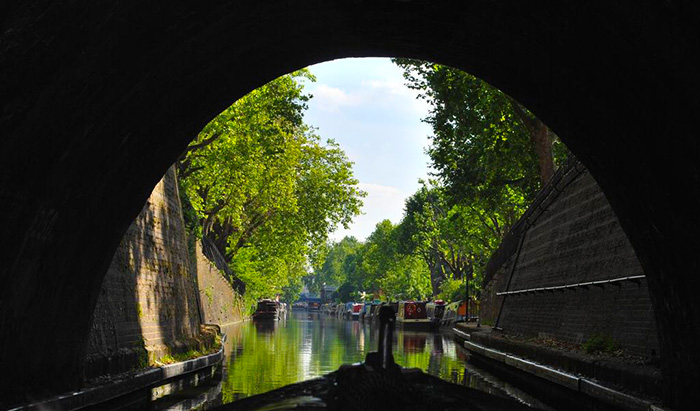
100,101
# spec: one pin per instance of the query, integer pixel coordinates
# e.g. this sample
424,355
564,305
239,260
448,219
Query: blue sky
364,105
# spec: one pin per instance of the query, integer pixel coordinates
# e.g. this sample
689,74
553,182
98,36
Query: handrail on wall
600,283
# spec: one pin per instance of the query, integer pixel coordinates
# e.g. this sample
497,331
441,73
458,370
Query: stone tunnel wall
148,305
576,239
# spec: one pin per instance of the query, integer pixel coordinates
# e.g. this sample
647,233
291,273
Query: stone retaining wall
147,306
576,239
220,303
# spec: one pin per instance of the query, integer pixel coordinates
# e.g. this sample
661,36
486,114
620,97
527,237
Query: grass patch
599,343
189,355
210,294
173,358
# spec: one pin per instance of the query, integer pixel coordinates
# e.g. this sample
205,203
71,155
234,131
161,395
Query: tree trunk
437,274
540,137
543,148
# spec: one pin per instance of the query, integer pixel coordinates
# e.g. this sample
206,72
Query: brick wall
149,296
576,239
220,303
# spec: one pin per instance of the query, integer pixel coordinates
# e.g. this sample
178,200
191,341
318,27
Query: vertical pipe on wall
510,275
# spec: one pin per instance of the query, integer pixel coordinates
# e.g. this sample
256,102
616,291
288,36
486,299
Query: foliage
452,290
484,141
600,343
409,277
490,155
375,267
454,240
265,187
329,263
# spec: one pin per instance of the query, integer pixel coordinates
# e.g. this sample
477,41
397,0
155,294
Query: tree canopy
375,266
485,143
490,156
266,188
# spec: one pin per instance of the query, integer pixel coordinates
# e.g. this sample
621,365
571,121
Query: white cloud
387,94
328,98
393,93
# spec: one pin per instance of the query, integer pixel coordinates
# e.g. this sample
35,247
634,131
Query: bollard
384,358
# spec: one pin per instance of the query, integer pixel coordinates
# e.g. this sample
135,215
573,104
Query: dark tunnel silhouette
99,99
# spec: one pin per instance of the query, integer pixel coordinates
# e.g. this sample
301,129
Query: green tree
267,190
379,255
491,156
375,266
483,139
454,240
329,264
407,277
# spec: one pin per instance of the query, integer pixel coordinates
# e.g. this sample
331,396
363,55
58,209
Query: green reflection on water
265,356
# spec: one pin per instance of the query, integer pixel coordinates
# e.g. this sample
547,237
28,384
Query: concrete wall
576,239
220,303
149,296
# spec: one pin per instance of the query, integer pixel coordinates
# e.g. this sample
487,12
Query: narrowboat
413,315
332,308
324,308
313,305
367,310
267,310
454,312
436,310
352,311
299,305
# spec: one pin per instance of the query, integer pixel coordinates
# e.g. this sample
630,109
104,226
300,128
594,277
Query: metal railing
600,283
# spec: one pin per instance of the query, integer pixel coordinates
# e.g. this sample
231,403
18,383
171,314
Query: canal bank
138,389
162,300
561,373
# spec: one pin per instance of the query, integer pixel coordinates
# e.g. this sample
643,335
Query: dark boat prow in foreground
377,384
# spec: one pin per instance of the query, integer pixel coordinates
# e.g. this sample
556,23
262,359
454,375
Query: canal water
263,356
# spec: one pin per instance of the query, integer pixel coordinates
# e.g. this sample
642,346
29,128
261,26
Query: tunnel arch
99,99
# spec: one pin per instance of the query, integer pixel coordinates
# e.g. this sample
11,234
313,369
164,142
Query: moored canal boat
435,310
352,311
313,305
367,310
267,310
413,315
454,312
